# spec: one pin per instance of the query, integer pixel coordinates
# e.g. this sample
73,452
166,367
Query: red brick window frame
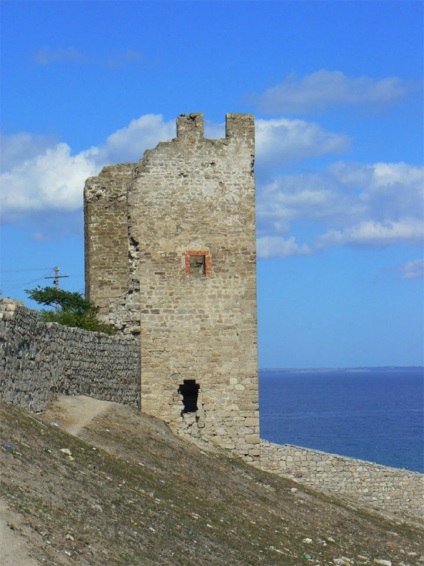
189,254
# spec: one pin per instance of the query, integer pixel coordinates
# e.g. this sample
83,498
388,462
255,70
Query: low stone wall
39,360
393,490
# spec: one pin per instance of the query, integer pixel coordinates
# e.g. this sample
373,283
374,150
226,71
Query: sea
374,414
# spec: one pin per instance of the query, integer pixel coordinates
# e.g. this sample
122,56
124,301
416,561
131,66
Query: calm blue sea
375,414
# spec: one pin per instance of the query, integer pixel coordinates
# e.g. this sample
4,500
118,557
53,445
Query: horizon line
355,368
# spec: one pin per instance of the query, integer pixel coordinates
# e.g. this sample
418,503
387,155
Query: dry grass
132,493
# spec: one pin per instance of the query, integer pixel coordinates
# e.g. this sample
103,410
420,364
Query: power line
24,281
20,281
22,270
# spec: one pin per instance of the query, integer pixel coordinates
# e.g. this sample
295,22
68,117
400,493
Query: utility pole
56,277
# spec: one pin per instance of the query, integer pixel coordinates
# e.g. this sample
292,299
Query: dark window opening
197,265
190,392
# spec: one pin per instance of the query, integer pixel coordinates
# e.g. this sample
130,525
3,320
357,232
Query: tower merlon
190,126
240,126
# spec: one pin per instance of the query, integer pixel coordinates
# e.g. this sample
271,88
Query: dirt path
74,413
71,414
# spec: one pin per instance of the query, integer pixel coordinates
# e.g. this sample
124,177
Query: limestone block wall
39,360
171,253
192,211
107,248
389,489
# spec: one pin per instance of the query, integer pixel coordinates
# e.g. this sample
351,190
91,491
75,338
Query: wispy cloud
323,89
119,60
308,197
350,204
278,246
376,234
282,141
116,60
49,56
412,270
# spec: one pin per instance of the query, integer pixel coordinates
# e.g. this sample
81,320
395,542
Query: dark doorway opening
190,392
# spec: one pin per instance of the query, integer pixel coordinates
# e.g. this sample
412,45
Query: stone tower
170,255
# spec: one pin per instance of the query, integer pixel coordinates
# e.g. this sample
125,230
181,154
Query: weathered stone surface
39,360
171,248
381,487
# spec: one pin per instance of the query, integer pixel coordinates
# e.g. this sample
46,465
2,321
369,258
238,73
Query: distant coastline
348,369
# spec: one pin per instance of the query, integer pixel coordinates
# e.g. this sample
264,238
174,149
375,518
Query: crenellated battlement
238,127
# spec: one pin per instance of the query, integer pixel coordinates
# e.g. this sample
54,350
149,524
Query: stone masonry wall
171,253
193,200
380,487
107,248
39,360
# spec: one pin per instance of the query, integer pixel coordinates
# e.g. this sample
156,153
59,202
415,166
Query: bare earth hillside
122,490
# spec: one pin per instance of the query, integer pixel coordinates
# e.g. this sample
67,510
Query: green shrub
71,309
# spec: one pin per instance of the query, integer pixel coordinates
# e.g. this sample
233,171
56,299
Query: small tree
71,309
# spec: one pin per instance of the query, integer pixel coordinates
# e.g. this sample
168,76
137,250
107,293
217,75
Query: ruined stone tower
170,255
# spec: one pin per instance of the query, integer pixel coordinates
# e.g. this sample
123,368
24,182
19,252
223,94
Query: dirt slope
126,491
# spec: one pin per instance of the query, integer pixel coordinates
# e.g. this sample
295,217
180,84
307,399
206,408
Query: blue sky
336,90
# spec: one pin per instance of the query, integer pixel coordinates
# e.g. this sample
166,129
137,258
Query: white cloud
214,130
372,205
412,270
376,204
323,89
277,246
372,234
52,179
282,141
302,196
128,144
386,189
40,175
